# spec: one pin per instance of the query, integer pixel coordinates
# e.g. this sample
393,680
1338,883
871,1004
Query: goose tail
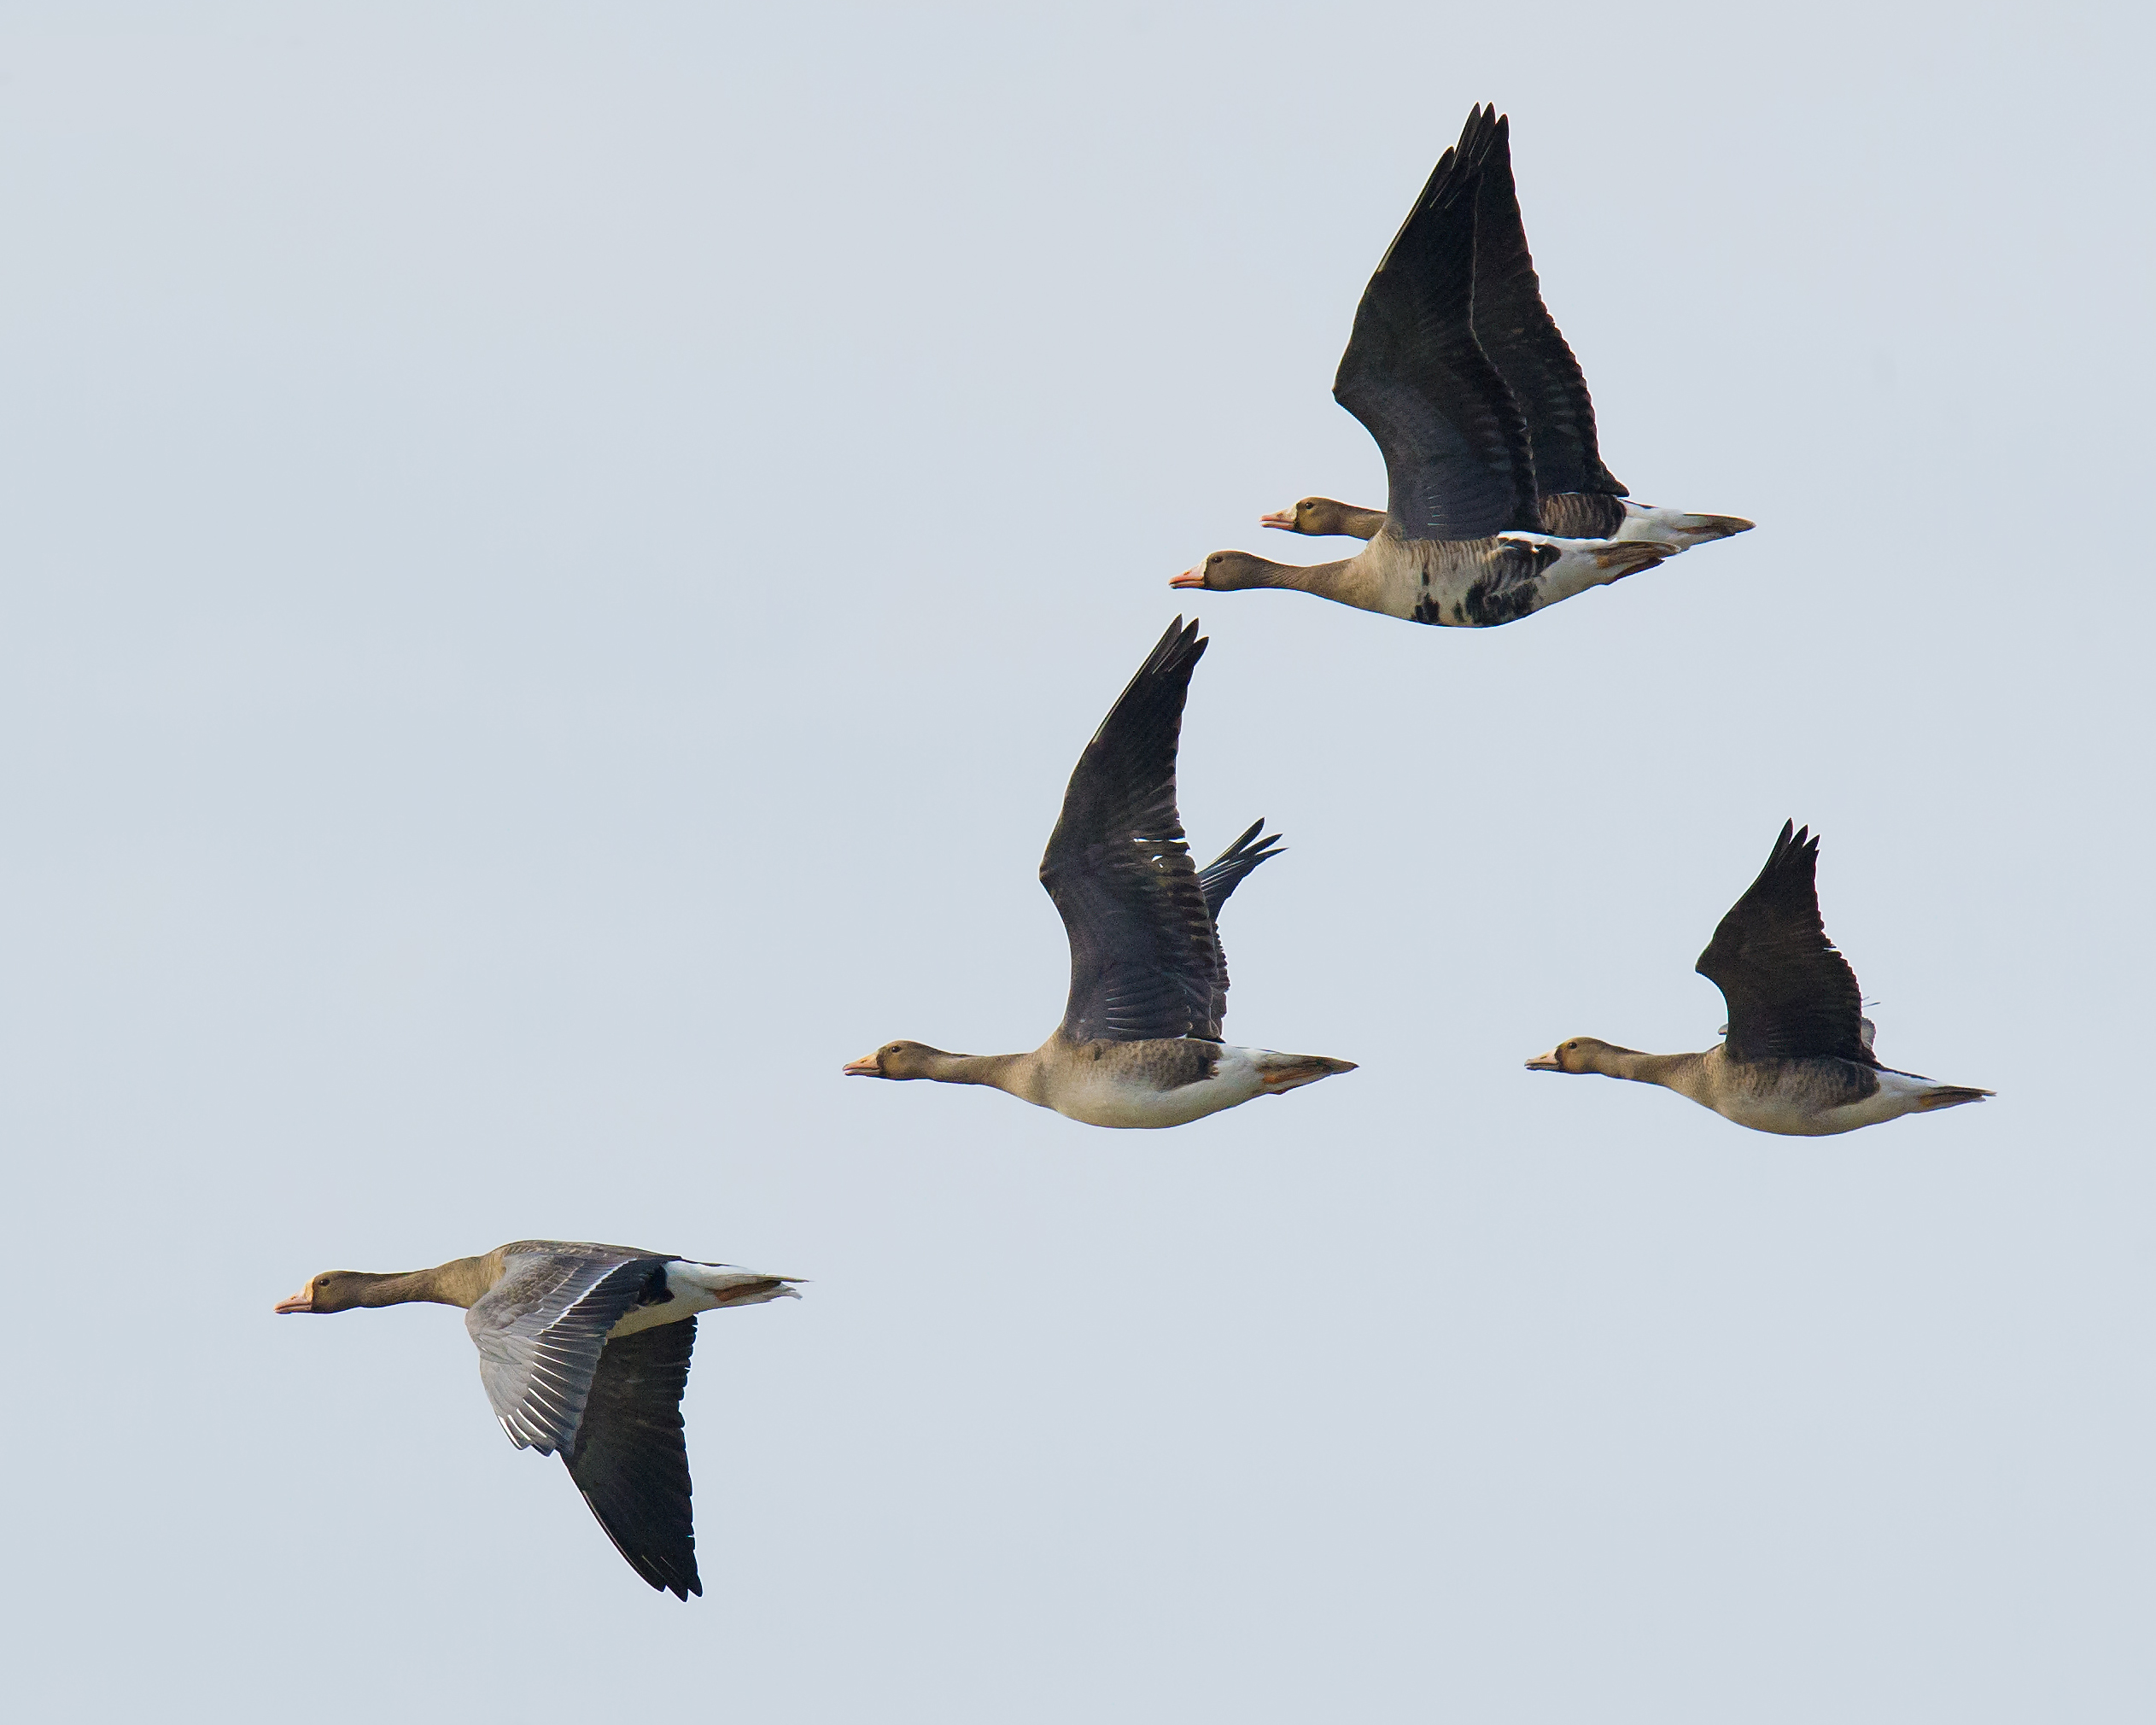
1676,529
1281,1072
1950,1096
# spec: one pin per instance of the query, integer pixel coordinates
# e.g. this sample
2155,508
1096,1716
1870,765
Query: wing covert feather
539,1331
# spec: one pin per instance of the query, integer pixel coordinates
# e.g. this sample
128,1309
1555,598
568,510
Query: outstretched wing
631,1460
540,1328
1144,961
1790,993
1457,462
1523,340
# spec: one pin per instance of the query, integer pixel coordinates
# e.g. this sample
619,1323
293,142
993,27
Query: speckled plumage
1459,373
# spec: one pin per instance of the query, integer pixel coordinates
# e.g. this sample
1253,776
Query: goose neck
460,1282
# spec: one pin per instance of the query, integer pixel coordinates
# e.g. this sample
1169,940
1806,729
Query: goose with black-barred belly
1139,1045
1498,504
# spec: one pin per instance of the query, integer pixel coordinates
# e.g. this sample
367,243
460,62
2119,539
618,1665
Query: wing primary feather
1523,340
1145,963
1459,462
1791,993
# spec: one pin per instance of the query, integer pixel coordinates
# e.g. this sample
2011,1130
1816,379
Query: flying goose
1451,397
1796,1058
584,1350
1140,1042
1579,498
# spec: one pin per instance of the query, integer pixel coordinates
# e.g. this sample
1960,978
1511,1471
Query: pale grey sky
556,562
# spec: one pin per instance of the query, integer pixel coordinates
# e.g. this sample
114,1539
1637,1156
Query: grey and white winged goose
1140,1043
1472,535
1578,497
1795,1057
584,1350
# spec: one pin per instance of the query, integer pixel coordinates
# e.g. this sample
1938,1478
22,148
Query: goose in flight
1579,497
1140,1042
584,1350
1461,376
1797,1055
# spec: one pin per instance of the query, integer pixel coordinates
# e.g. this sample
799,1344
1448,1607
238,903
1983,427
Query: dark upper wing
1790,993
1225,873
1457,463
631,1461
1144,961
1517,332
540,1328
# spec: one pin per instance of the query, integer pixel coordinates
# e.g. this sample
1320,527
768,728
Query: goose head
1224,572
1581,1054
896,1060
1321,517
333,1291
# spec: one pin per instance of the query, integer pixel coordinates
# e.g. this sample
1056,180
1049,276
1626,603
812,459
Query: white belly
703,1287
1898,1094
1112,1101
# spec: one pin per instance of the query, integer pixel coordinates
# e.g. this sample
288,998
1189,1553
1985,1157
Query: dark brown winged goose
1473,536
1797,1055
1140,1042
1579,497
584,1350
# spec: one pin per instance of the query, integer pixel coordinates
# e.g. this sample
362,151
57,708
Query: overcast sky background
557,560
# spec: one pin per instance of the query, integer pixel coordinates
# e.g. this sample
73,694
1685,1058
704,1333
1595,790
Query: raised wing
1791,994
1225,872
1144,960
1457,462
541,1329
1521,339
631,1460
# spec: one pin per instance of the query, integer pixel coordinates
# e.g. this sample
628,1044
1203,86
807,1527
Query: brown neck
460,1282
1241,569
1676,1071
1004,1072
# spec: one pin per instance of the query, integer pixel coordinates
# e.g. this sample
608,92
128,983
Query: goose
1140,1043
1797,1056
1465,540
1579,497
584,1350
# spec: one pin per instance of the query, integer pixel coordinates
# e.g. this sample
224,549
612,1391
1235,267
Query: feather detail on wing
1791,994
631,1458
539,1331
1457,461
1144,960
1522,341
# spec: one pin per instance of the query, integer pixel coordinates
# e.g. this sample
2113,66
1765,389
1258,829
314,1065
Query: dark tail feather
1225,873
